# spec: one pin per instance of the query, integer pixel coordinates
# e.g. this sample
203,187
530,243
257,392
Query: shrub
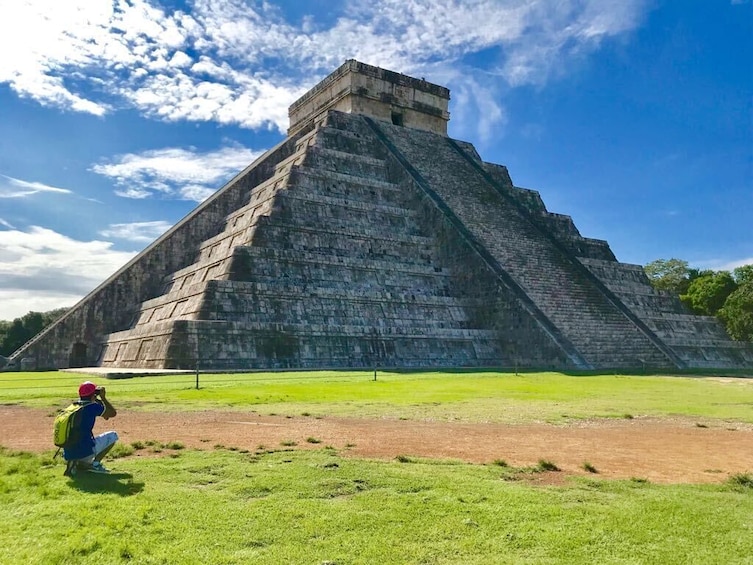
545,465
744,480
120,450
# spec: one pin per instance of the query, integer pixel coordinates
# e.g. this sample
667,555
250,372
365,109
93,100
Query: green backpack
66,429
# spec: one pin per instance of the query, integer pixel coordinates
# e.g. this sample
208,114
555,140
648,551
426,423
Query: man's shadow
118,483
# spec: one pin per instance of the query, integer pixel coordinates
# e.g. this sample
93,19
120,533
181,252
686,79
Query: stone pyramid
369,238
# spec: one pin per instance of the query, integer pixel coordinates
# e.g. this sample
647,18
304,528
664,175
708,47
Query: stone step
344,242
334,178
313,290
287,289
312,182
350,142
351,330
341,276
705,342
331,161
360,317
358,232
323,155
303,330
307,215
347,203
373,264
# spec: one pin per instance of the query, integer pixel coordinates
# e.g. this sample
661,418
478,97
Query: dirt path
666,451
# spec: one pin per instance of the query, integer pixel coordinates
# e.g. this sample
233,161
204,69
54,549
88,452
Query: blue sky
117,117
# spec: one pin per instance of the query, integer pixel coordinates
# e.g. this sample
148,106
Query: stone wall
385,95
117,304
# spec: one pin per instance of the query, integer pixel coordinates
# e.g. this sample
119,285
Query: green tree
672,275
737,313
14,338
743,275
4,328
14,334
707,293
33,322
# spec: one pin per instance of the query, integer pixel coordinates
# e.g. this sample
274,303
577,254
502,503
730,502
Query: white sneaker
97,467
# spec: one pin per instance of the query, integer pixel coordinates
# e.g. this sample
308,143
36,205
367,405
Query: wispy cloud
6,224
142,232
41,269
724,264
235,62
16,188
175,172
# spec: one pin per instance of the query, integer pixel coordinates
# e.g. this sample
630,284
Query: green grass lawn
464,396
317,507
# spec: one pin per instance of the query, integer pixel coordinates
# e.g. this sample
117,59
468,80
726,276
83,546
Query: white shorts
101,442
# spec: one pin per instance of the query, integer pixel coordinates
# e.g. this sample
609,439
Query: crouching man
87,452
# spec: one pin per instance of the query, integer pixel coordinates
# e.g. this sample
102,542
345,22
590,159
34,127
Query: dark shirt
84,447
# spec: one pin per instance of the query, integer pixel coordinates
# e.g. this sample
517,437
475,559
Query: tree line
14,334
726,295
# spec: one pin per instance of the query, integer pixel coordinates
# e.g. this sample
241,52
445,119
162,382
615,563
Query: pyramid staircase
588,315
325,265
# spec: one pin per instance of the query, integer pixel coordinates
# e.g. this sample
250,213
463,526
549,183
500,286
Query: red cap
87,389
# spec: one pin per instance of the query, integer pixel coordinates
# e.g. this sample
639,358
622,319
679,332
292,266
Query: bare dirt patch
662,451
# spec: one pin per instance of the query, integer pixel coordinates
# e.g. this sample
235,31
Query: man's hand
110,411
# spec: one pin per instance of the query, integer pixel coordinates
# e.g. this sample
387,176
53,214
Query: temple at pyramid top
358,88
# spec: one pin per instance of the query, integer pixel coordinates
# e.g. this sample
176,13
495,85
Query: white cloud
235,62
143,232
554,32
41,269
14,304
724,264
182,173
195,192
16,188
6,224
477,110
